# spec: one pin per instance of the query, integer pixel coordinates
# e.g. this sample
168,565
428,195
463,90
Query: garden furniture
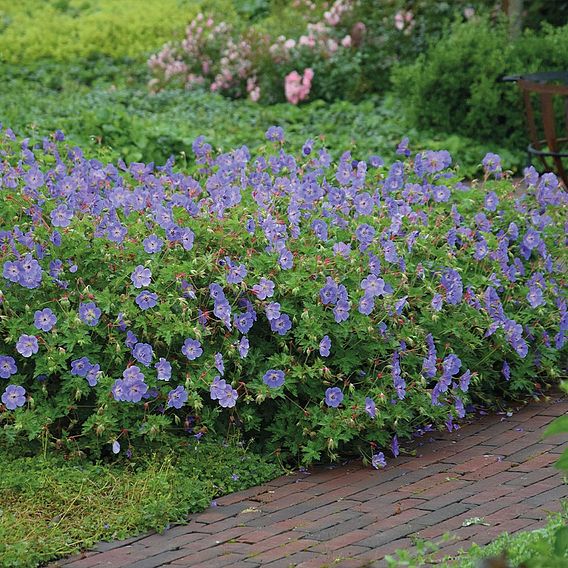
547,87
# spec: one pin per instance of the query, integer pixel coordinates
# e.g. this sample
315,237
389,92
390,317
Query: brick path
497,468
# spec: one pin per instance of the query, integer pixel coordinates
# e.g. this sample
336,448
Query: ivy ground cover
320,307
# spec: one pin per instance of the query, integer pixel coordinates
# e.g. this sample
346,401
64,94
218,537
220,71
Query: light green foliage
542,548
69,29
50,507
560,426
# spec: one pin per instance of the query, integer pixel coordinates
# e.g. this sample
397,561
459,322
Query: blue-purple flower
80,367
243,347
264,289
378,461
394,446
275,134
491,201
27,345
177,397
237,273
272,311
192,349
243,322
141,276
491,163
440,193
341,311
325,346
286,260
61,216
143,353
152,244
370,407
164,369
223,392
333,397
93,375
398,382
281,325
273,378
89,313
7,366
219,364
535,297
14,396
146,300
44,319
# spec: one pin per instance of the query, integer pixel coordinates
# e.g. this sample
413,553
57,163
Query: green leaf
558,426
561,541
562,463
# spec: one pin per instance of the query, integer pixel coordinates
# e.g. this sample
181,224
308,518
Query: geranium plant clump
319,307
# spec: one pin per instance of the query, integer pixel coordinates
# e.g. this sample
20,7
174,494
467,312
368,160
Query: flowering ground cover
104,107
299,293
320,308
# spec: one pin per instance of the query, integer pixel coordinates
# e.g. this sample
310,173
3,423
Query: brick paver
496,467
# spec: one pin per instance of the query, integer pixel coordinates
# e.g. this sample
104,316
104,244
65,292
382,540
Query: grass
50,507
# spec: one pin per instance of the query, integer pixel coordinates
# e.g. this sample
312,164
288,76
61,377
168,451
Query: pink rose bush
297,87
216,56
349,46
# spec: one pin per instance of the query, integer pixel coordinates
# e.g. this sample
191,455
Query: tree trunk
515,14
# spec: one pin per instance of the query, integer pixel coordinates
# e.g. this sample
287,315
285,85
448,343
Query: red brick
275,541
285,549
489,495
536,463
380,552
341,541
488,471
395,520
350,511
474,464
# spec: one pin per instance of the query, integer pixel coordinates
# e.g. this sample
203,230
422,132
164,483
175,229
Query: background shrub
454,86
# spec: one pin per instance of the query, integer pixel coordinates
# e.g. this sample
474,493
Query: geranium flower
370,407
7,366
378,461
80,367
143,353
89,313
146,300
177,397
192,349
44,319
273,378
164,370
333,397
325,346
141,276
27,345
152,244
14,396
